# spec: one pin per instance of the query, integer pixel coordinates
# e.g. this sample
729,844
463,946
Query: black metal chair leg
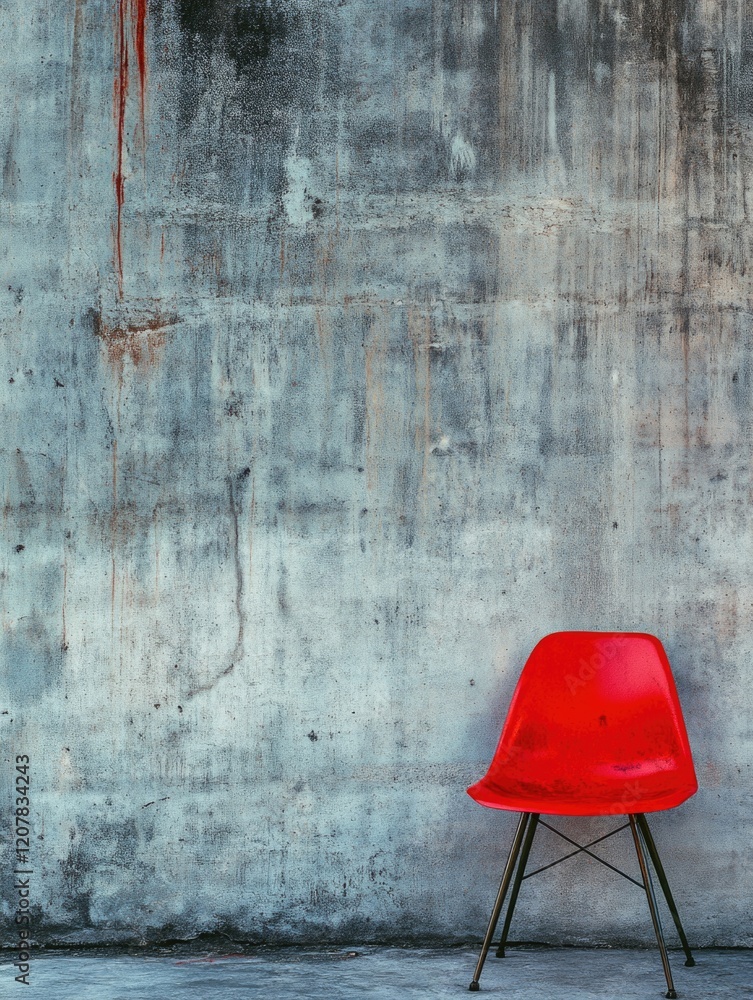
525,851
507,875
659,868
651,897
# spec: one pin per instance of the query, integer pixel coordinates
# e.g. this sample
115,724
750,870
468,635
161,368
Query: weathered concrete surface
348,348
384,974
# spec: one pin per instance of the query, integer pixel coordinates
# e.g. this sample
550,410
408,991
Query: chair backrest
598,700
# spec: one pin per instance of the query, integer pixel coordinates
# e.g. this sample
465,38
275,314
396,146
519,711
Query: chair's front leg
650,896
507,875
525,851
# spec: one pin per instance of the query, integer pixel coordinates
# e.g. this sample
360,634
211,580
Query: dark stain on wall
265,66
659,22
573,50
249,31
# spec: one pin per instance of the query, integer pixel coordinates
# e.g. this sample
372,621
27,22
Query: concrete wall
347,349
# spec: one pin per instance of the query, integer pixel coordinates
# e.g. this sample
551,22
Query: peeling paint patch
297,199
462,158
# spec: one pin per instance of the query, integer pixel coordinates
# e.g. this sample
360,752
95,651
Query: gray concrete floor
381,973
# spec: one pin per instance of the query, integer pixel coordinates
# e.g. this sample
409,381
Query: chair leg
525,851
507,875
659,868
651,897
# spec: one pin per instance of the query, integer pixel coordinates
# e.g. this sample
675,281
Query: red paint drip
138,19
120,96
131,13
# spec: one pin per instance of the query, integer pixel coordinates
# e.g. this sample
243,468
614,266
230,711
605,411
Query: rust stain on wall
140,342
420,333
375,353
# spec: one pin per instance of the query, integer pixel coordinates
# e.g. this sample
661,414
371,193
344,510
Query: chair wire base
518,856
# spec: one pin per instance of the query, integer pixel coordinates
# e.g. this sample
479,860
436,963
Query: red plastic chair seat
594,727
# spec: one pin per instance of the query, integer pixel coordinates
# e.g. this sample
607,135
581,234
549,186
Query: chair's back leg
525,851
506,877
659,868
651,897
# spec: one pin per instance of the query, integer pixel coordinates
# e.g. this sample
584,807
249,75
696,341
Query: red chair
594,728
